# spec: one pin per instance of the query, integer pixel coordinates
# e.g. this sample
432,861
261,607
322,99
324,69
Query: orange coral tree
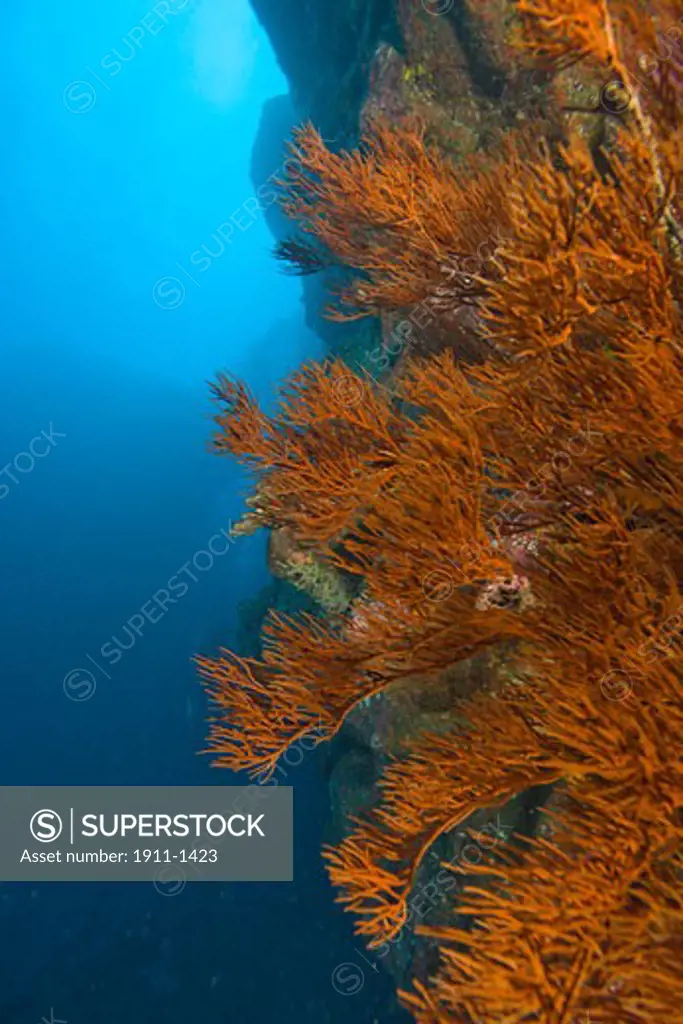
398,213
572,440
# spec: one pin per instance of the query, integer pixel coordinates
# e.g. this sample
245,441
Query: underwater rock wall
325,51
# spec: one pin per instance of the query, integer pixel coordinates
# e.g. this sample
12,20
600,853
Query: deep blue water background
108,186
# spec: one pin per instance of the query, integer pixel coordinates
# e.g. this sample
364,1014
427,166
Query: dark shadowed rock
324,49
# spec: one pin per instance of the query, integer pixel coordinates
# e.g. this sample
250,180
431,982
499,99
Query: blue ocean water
128,131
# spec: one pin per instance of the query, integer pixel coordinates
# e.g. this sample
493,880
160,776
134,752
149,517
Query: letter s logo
46,826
